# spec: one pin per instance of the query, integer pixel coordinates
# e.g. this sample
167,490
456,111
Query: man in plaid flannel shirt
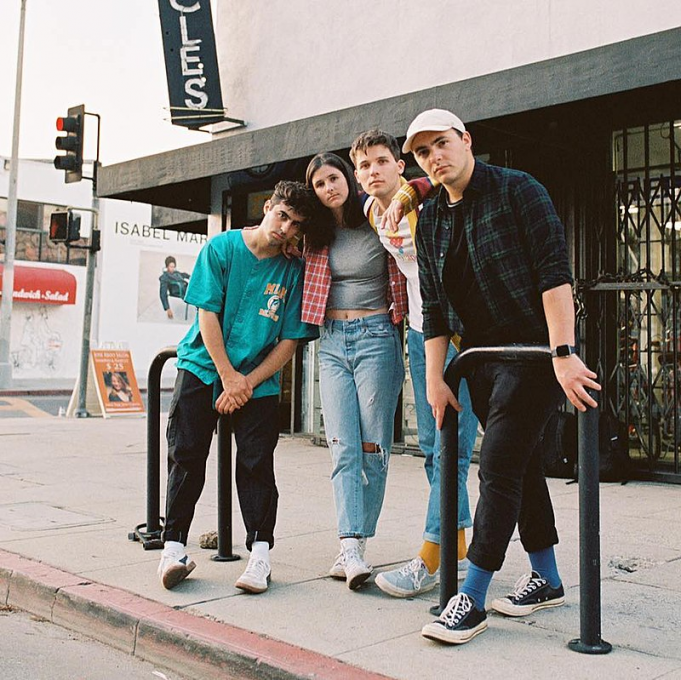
493,260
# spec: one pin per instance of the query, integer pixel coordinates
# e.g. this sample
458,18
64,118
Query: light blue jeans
360,377
429,437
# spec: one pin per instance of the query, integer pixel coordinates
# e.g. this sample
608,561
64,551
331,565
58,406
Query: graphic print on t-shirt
276,293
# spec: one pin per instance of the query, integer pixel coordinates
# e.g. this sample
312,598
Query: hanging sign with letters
191,62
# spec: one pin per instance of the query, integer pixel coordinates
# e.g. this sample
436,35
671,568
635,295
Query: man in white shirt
378,169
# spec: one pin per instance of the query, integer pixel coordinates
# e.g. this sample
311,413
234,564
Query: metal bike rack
590,641
149,534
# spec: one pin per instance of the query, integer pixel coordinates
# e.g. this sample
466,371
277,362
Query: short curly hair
298,197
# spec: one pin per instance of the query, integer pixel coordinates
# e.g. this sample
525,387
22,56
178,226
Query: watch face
563,351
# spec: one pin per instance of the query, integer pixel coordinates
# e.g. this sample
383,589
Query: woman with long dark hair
357,294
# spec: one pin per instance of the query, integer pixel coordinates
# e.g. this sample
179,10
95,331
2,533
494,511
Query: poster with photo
116,382
163,280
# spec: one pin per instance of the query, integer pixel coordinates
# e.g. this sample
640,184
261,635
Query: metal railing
590,641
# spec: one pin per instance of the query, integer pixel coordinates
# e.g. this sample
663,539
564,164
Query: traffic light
64,226
74,126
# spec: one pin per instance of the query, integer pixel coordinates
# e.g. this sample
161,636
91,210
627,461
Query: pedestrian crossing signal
64,226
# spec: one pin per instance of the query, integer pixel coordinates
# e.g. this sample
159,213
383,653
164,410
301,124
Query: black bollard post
449,499
589,641
151,538
225,553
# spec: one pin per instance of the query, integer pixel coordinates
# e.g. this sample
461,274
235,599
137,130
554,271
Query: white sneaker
173,568
256,577
337,571
357,571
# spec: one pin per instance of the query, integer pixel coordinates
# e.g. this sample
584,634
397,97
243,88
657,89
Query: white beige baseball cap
432,120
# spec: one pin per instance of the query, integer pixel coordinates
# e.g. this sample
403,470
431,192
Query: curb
35,393
174,639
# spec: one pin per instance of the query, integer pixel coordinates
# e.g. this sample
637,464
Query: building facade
586,96
50,281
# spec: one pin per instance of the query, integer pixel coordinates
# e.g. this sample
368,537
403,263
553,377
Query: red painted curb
159,633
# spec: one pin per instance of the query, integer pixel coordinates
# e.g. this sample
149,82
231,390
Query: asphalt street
33,648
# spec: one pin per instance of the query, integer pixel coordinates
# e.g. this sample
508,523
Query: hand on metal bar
575,378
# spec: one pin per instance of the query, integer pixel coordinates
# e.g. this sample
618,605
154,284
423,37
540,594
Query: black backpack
559,446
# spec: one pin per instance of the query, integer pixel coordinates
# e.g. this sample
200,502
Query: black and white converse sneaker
531,593
458,623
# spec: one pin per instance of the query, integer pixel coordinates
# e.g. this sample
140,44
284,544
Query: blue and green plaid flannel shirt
517,249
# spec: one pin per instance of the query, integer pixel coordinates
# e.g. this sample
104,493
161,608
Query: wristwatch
563,351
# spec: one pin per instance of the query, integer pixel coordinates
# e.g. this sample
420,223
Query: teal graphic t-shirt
261,300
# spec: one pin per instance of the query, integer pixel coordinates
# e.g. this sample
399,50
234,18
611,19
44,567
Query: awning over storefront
181,178
44,285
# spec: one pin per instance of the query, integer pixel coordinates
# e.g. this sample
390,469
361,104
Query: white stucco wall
286,60
38,181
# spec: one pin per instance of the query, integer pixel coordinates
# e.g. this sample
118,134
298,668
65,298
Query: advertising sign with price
116,383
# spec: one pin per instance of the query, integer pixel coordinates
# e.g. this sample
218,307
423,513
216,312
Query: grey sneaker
337,571
256,577
357,571
173,568
410,580
530,593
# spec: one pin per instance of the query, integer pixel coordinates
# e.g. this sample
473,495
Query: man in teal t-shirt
248,326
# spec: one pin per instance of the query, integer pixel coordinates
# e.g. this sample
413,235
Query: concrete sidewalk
72,490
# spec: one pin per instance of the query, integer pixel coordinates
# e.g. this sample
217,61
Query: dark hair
298,197
374,137
170,260
325,225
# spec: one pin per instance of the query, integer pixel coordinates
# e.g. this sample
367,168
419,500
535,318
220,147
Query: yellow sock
430,554
461,548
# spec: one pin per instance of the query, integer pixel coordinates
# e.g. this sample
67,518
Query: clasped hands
237,390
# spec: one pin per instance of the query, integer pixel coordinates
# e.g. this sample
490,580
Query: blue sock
544,563
476,584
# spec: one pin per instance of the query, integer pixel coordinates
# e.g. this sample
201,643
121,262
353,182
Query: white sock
173,548
260,550
349,543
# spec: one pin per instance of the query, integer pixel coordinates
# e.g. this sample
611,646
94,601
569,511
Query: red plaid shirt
318,283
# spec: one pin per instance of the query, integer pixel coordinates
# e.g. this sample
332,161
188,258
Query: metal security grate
637,309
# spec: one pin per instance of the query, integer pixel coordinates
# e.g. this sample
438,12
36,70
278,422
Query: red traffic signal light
68,123
72,143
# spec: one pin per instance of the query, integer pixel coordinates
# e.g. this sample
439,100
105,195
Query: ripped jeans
360,377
